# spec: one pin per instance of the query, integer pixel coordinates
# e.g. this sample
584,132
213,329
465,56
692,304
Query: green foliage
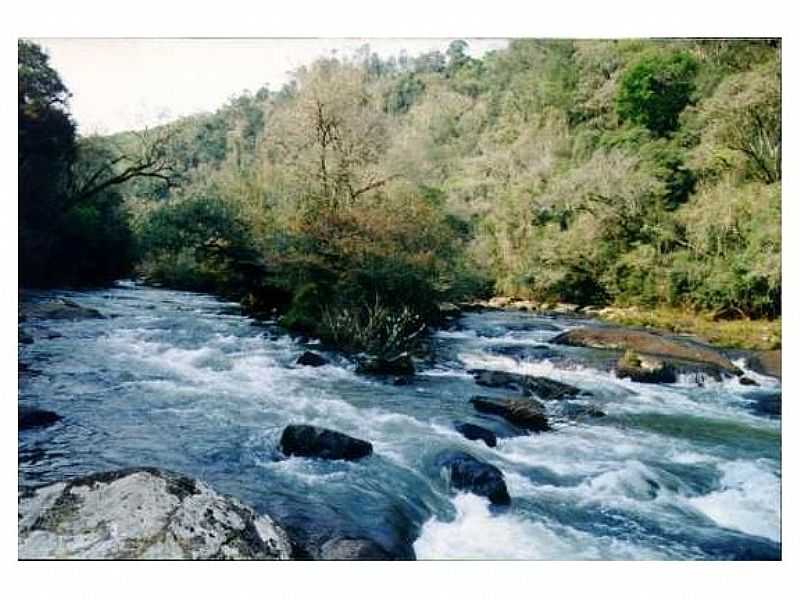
655,90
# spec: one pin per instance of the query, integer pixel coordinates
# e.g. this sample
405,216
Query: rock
578,411
747,381
766,362
311,359
645,369
142,513
644,343
402,364
564,308
59,309
353,549
544,388
316,442
32,418
448,310
500,301
467,473
476,432
522,412
525,353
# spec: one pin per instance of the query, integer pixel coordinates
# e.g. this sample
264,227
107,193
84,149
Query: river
184,381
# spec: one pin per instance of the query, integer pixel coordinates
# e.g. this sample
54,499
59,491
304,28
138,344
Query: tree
655,90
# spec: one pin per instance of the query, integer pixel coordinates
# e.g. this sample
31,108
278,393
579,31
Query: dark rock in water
647,343
765,403
469,474
544,388
311,359
31,418
401,364
645,369
747,381
141,513
767,362
353,549
316,442
59,309
476,432
523,412
579,411
523,353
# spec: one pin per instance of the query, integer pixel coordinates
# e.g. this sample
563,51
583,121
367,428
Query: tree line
367,190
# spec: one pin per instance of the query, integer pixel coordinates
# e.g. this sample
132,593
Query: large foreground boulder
542,387
467,473
29,417
316,442
645,343
141,513
522,412
58,309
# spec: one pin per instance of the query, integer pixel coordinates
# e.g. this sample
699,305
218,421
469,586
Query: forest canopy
632,172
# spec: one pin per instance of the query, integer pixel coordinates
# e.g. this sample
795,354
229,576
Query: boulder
766,362
311,359
402,364
29,417
645,343
59,309
467,473
525,353
316,442
142,513
353,549
526,413
476,432
645,369
544,388
747,381
574,411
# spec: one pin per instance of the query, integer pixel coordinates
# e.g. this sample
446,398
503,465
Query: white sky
121,84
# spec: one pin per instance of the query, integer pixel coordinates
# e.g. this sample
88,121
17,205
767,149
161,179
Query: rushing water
184,382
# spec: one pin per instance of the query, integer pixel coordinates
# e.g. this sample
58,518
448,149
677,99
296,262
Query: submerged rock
31,418
402,364
142,513
522,412
311,359
353,549
645,343
316,442
467,473
59,309
476,432
544,388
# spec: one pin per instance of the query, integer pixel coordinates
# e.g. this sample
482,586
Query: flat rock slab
142,513
528,385
522,412
644,342
766,362
317,442
58,309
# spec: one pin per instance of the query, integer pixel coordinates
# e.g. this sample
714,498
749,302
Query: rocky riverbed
162,424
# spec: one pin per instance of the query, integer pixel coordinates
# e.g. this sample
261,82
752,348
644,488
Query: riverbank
742,334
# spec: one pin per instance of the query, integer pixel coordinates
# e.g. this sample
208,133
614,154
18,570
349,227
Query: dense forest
368,190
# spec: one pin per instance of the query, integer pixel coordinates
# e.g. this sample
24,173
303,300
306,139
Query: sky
123,84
